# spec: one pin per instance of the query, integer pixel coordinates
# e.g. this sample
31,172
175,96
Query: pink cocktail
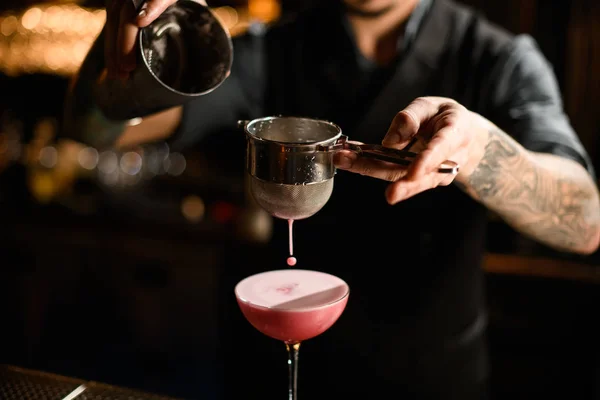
292,305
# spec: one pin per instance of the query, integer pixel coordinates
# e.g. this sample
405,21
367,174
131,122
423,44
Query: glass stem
292,350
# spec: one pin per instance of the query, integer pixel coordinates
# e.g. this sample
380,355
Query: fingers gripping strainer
290,162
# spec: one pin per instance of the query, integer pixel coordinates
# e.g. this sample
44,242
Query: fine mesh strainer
290,162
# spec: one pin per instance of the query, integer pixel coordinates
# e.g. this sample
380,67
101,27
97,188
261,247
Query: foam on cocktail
291,289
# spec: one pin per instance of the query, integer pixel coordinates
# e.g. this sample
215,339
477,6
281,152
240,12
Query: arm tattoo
542,196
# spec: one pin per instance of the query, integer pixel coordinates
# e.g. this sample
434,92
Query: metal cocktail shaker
186,52
183,54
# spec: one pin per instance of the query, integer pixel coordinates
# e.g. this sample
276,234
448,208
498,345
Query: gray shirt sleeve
529,105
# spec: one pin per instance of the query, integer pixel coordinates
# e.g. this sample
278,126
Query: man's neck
377,36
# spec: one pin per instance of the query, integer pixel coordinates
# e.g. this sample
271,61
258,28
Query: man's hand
122,25
449,132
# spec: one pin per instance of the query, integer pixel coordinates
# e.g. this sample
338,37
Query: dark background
113,283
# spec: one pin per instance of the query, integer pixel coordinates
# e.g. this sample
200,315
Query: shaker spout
242,123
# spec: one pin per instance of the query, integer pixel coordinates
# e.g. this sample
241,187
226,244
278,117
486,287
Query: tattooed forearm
543,196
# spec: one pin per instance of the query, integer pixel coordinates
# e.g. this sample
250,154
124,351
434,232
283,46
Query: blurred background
111,262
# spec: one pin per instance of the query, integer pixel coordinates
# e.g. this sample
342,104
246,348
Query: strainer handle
400,157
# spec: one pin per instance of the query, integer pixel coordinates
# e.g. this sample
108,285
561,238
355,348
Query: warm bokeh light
193,208
263,10
50,39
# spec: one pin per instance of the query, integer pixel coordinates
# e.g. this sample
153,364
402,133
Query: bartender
410,249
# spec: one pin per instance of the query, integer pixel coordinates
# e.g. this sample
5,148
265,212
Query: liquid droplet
291,261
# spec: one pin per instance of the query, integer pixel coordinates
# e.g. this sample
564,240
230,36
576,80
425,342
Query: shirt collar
408,37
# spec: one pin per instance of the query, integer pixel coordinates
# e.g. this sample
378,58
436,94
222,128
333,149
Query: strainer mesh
291,201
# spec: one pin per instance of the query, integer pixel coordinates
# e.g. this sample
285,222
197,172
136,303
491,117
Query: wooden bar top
554,268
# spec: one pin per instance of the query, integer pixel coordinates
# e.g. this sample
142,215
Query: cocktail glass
292,305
